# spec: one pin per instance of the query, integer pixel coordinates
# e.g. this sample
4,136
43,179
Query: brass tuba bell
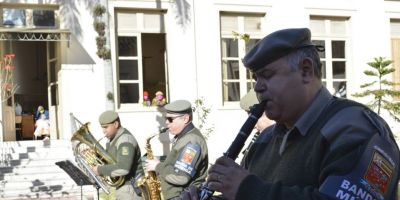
94,154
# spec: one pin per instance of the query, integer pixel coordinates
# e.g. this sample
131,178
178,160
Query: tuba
150,185
91,152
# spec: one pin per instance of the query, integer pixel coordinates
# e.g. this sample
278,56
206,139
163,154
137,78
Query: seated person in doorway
18,109
42,122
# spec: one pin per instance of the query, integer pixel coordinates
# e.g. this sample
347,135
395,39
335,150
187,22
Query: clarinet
237,144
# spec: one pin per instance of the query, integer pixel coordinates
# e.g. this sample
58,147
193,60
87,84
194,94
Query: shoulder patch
187,159
125,151
379,172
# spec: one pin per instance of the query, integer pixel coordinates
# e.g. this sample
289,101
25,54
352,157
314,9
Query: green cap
276,45
248,100
179,107
108,117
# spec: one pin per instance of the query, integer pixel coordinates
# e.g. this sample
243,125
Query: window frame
136,31
328,38
139,81
395,41
243,81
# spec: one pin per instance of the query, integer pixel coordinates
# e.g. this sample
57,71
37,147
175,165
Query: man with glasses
187,162
123,147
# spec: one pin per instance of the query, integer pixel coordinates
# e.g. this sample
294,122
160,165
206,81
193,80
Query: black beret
108,117
276,45
179,107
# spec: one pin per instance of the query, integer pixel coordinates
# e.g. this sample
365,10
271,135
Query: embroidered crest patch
187,159
379,172
125,151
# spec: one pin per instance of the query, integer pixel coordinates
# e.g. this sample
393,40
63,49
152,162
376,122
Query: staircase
28,171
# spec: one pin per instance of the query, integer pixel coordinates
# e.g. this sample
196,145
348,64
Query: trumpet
237,144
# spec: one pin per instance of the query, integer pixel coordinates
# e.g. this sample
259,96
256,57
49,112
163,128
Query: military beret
276,45
108,117
179,106
248,100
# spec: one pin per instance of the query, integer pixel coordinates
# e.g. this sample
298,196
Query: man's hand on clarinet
225,176
190,193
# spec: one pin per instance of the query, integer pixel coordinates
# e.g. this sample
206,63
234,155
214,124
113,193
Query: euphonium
94,154
150,185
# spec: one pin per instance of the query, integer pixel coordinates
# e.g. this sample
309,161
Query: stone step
35,143
44,181
51,154
10,177
25,149
30,162
21,170
50,192
28,171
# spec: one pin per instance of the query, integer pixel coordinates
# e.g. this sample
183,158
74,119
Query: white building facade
187,49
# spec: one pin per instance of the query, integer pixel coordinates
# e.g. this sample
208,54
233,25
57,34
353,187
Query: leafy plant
100,41
110,96
202,114
99,10
8,87
104,53
100,26
242,36
382,90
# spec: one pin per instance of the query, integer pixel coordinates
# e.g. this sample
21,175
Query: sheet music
85,166
74,172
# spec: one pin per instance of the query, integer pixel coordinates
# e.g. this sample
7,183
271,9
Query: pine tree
383,90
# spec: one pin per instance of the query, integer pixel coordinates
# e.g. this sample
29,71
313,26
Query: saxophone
150,185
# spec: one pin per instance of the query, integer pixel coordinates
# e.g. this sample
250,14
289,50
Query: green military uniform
337,149
338,157
187,162
126,152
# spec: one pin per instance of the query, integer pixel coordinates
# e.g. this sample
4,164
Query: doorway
35,70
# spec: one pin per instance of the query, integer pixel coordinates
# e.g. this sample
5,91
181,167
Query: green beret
248,100
179,107
276,45
108,117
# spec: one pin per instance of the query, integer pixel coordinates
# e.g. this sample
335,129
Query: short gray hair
296,57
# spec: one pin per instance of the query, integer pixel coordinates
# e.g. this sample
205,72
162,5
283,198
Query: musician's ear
186,117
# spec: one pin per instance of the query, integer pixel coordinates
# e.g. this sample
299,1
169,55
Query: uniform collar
187,128
308,118
119,132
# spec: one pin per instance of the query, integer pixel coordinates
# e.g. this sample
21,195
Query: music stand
81,178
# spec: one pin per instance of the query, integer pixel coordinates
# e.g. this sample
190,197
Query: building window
332,34
236,80
395,40
27,15
141,52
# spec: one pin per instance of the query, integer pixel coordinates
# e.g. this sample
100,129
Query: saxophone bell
150,184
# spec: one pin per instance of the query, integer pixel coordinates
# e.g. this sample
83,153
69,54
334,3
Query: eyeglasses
171,119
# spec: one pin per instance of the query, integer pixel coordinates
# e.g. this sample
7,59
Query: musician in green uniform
321,147
187,162
123,147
